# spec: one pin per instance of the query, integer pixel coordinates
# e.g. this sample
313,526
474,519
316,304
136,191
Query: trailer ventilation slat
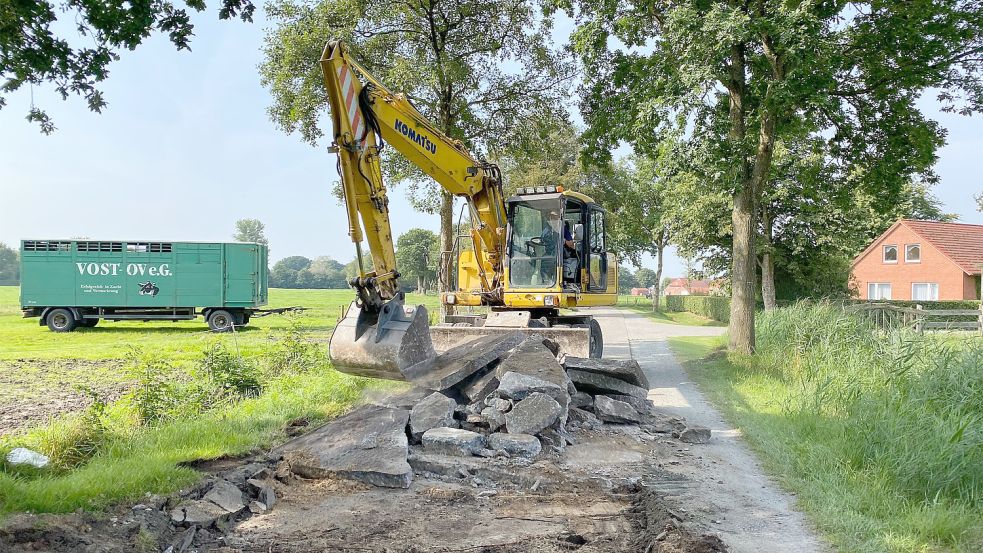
100,246
148,247
47,246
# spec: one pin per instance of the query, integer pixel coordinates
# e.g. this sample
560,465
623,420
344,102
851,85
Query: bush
712,307
230,374
155,394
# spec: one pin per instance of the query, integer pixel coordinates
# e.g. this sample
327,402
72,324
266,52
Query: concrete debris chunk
581,400
533,414
226,495
643,406
198,512
257,507
581,416
612,410
493,417
554,439
267,496
434,411
369,444
479,385
518,386
460,362
532,358
501,405
596,383
695,435
453,441
626,370
520,445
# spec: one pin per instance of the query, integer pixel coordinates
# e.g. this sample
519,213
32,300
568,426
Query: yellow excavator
532,257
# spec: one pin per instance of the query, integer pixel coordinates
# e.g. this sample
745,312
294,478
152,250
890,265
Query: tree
39,43
286,273
626,280
730,79
250,230
328,273
417,255
979,201
449,56
9,265
645,277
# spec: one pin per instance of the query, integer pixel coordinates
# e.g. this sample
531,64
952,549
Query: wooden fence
888,316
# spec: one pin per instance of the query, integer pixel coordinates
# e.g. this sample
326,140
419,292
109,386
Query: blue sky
185,148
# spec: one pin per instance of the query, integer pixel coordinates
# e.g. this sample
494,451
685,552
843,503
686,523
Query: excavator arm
379,336
366,117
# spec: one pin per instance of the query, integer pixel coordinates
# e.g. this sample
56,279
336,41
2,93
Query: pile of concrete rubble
505,396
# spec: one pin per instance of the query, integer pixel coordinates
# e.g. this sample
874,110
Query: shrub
229,373
293,352
155,395
712,307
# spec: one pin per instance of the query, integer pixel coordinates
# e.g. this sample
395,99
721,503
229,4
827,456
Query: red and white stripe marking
346,79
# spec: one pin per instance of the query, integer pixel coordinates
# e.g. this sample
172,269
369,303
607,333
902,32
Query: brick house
686,287
921,260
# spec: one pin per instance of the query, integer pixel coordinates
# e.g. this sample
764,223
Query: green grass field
24,339
176,405
878,435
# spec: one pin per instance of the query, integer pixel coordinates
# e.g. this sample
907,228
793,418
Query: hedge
713,307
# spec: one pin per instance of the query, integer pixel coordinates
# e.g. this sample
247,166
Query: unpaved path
723,479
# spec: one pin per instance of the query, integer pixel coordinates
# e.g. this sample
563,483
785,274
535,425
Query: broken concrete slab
581,416
369,444
532,358
596,383
627,370
453,441
518,386
479,385
434,411
226,495
500,404
643,406
520,445
198,512
460,362
581,400
533,414
612,410
695,435
267,496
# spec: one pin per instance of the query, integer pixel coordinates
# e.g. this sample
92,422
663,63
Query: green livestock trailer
72,283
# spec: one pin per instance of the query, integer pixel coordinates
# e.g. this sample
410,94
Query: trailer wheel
88,323
596,347
220,320
61,320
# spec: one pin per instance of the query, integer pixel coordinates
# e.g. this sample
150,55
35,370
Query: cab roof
547,193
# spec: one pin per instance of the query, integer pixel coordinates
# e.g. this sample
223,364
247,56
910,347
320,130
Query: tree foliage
250,230
726,81
417,256
9,265
72,44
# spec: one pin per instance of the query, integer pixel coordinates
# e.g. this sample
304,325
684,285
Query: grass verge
644,306
879,435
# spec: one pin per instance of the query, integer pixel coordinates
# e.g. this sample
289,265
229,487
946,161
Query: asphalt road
724,484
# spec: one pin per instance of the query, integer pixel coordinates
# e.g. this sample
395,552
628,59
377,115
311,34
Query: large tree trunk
657,295
768,263
447,242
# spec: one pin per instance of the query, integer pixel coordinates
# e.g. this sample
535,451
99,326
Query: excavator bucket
382,345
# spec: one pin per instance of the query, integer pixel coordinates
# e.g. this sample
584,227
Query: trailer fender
44,314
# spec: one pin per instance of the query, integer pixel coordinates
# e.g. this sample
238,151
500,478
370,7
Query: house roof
961,243
686,283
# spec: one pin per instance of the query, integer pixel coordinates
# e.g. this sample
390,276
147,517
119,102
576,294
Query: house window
913,253
890,254
925,291
879,291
